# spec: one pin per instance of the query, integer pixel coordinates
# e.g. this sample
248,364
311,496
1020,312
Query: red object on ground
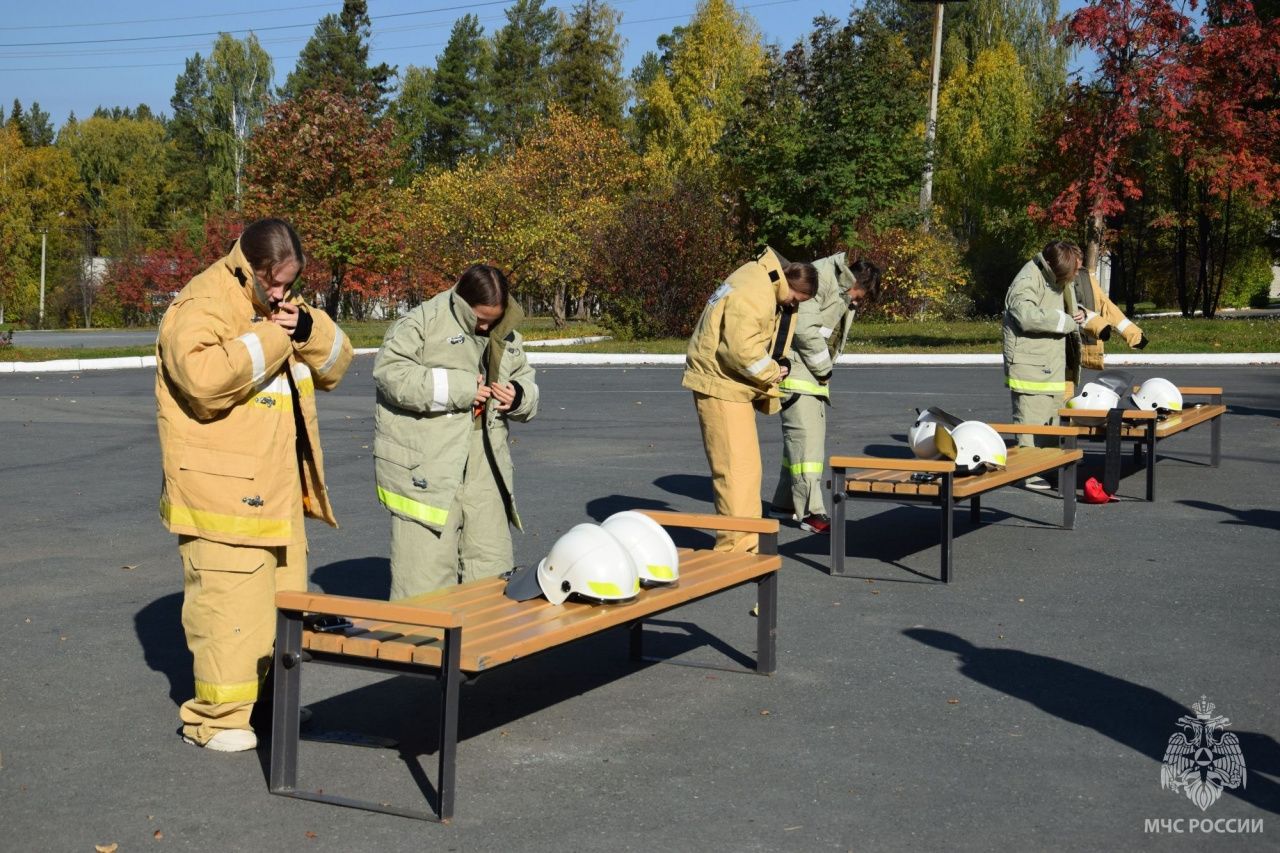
1094,493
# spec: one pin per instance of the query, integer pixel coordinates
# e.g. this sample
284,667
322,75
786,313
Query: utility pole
44,238
931,128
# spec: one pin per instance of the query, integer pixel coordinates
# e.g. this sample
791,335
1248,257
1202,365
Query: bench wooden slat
1199,390
365,608
1023,462
712,522
936,466
574,619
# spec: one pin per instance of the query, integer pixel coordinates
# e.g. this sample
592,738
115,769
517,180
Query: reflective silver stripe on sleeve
825,332
333,351
301,371
439,389
757,367
822,357
277,384
256,355
1063,319
1122,325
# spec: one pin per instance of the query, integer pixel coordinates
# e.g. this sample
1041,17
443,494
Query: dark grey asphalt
1026,706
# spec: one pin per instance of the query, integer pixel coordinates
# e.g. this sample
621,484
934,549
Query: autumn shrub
923,276
655,266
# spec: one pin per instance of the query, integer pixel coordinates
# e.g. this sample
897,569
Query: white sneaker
1039,484
228,740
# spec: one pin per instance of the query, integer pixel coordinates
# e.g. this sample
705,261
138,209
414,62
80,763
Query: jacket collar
772,264
238,265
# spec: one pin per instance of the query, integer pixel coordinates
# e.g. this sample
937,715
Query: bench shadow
361,577
889,536
889,451
601,508
493,700
158,627
1267,519
1135,716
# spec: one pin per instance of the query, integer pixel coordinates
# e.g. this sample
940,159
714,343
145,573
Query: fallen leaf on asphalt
106,848
157,835
310,834
764,713
130,568
953,701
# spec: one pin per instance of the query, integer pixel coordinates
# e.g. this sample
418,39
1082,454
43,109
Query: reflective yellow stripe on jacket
1029,386
801,386
216,522
414,509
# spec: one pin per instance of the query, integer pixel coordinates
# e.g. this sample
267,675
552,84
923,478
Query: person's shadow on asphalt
159,630
1111,706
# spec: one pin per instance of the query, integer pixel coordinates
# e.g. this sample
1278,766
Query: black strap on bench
1111,465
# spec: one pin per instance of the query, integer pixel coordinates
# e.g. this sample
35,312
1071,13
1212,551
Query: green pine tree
336,59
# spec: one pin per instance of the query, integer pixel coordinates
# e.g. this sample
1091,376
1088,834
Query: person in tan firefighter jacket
239,357
733,365
822,324
1101,318
450,375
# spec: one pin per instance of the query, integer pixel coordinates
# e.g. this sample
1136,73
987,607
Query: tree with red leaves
1194,105
322,163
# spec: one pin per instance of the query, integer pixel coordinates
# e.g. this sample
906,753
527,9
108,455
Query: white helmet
920,436
648,544
976,447
1158,394
1094,396
586,560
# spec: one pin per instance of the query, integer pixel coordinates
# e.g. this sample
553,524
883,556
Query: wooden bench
455,633
879,478
1146,430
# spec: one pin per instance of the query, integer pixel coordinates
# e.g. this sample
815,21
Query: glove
1142,343
302,331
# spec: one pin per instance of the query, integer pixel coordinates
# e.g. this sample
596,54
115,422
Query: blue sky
128,52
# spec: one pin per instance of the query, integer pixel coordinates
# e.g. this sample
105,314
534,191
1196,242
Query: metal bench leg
767,624
636,640
1151,460
975,510
1067,486
947,503
1215,441
836,496
450,688
287,701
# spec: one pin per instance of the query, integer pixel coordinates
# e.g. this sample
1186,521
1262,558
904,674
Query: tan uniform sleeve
327,351
747,335
211,369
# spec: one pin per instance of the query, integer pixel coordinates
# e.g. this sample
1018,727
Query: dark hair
802,278
269,242
1060,255
866,276
481,284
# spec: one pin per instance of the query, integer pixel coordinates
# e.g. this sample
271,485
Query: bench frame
289,656
839,495
1143,429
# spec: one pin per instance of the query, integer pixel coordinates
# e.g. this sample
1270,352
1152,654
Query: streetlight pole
44,237
931,128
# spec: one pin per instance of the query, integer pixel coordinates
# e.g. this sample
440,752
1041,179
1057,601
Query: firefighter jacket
426,374
822,324
1101,318
743,331
1037,323
236,411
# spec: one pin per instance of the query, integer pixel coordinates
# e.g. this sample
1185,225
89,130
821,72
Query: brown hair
1060,255
802,278
867,278
269,242
481,284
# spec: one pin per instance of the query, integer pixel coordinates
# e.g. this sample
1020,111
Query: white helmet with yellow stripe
649,545
590,562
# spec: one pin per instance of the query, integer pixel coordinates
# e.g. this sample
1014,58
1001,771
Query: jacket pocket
412,486
223,463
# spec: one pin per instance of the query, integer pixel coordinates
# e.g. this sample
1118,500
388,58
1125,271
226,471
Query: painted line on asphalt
601,359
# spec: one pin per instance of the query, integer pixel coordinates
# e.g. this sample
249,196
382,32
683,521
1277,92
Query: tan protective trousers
229,616
1040,409
804,443
475,542
733,454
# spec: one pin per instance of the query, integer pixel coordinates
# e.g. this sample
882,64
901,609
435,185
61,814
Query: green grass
1166,334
